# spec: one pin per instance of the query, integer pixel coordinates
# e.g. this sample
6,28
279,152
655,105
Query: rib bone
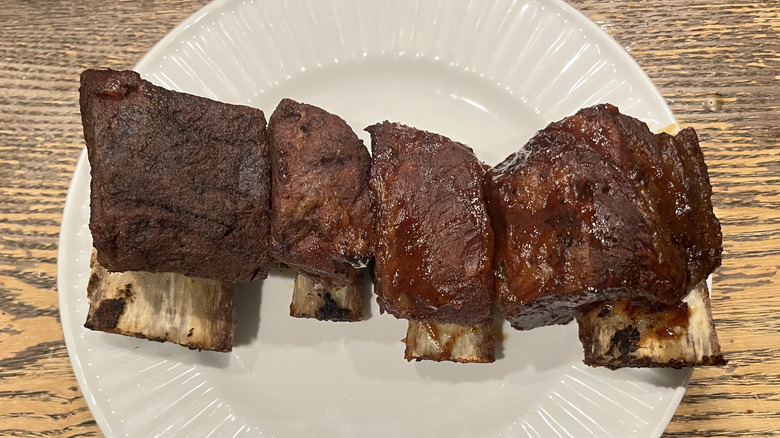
629,333
325,303
428,340
193,312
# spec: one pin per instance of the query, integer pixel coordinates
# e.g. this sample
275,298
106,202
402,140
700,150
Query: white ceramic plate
487,73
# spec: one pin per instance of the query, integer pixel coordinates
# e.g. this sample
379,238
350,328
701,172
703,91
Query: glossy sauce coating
596,207
433,239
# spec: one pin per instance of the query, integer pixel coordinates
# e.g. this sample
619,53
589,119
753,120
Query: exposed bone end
630,333
326,303
428,340
165,307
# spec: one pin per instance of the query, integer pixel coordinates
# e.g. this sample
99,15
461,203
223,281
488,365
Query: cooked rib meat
179,183
321,217
597,208
433,239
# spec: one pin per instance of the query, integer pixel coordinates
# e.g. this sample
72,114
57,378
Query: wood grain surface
700,54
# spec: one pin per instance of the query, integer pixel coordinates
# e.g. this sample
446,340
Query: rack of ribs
595,219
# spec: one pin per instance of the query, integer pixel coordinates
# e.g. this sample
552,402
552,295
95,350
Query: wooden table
697,52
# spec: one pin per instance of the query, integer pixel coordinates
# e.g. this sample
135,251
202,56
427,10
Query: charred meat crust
180,183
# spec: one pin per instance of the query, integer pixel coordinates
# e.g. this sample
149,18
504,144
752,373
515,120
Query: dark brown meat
179,183
321,217
594,208
433,239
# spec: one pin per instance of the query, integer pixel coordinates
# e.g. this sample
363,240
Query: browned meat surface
594,208
179,183
433,239
321,217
